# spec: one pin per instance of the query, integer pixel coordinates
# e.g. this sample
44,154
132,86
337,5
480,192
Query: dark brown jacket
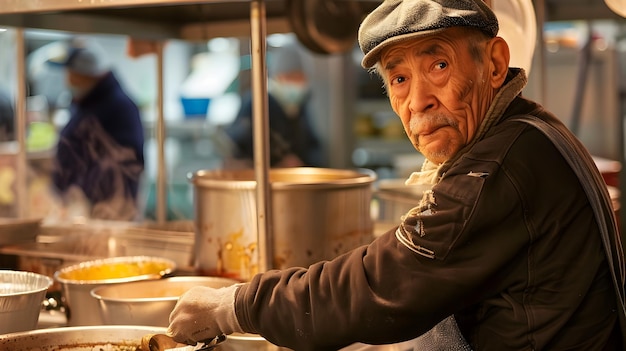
509,245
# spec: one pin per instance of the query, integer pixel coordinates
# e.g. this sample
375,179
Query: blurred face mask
77,92
289,94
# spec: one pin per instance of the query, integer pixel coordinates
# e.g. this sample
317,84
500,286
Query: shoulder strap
579,159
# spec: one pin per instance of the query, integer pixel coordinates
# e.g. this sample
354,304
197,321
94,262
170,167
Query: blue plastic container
195,107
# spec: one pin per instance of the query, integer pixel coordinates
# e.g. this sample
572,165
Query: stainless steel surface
249,342
147,302
14,230
20,125
190,19
260,125
78,280
161,176
21,297
318,213
128,338
109,338
58,246
395,199
173,240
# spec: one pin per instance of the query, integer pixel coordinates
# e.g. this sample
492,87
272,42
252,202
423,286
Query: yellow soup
115,270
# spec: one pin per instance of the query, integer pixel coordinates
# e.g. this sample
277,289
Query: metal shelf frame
140,19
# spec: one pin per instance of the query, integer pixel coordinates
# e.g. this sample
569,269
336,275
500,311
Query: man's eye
441,65
399,79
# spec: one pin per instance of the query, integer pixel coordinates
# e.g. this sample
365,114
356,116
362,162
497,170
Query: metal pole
260,126
161,177
20,127
540,9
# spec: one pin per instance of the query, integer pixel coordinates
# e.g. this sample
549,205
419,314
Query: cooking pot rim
171,266
35,284
100,292
245,179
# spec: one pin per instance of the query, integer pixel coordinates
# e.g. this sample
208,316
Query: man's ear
499,64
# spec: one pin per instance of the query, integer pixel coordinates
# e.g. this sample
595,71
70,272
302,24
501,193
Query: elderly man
514,247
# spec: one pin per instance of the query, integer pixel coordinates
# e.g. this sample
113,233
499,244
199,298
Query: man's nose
422,97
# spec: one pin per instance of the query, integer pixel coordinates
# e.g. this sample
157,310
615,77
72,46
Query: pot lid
325,26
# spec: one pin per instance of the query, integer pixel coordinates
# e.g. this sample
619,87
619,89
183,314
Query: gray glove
203,313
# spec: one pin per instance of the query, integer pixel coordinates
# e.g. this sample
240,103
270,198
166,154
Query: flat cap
397,20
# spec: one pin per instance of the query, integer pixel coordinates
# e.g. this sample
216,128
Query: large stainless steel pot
318,213
109,338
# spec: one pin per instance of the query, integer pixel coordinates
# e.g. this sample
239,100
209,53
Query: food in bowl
117,269
101,338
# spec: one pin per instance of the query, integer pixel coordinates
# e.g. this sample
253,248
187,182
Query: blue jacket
100,149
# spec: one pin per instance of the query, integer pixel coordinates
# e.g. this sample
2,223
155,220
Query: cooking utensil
325,26
317,214
162,342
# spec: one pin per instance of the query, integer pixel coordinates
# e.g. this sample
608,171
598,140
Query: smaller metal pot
21,298
248,342
395,199
148,302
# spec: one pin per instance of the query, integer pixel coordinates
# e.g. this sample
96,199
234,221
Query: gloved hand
203,313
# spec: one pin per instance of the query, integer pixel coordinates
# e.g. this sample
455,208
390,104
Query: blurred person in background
100,150
7,117
293,142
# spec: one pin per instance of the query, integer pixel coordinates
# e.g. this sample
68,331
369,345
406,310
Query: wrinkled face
439,87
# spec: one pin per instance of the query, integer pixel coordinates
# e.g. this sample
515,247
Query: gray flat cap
398,20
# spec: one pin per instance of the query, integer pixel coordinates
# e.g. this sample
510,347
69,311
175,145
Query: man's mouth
430,130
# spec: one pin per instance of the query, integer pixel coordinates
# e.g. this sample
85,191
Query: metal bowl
21,297
248,342
78,280
148,302
110,338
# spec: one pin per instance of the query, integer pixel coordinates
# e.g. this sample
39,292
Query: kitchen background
582,81
575,60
